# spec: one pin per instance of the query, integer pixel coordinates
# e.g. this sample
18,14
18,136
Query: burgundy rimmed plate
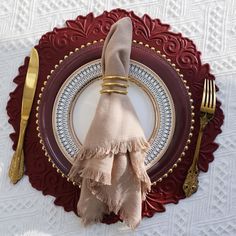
61,115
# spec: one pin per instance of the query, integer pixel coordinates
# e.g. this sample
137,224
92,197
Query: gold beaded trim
134,41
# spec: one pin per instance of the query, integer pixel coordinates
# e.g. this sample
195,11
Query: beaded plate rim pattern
82,77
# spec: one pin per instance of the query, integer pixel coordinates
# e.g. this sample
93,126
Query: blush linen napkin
110,164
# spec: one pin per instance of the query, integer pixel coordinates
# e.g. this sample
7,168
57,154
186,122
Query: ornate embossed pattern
55,45
89,72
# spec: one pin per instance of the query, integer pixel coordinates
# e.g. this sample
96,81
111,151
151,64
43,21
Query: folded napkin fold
110,165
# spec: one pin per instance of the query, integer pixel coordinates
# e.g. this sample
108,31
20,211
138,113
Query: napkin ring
116,84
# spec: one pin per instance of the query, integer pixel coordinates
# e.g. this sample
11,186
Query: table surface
212,26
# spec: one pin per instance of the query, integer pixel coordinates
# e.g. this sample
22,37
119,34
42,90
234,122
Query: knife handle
16,170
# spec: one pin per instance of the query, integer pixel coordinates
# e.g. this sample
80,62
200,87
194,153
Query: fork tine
214,96
207,94
204,94
210,93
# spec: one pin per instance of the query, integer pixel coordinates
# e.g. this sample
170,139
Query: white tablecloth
212,26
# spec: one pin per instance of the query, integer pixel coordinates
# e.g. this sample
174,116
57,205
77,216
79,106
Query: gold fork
207,110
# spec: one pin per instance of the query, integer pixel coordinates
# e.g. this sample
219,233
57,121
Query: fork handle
191,181
16,170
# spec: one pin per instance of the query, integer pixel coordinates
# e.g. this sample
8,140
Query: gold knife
16,170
